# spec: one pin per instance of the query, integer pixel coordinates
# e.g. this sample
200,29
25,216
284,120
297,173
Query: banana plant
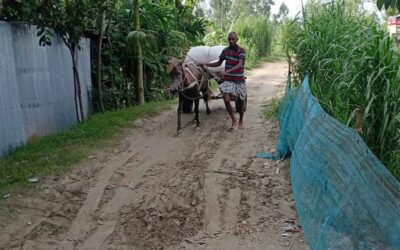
388,4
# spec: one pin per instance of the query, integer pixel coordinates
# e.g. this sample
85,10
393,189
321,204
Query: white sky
293,5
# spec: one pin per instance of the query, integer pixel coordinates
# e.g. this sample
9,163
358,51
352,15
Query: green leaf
41,31
380,3
387,3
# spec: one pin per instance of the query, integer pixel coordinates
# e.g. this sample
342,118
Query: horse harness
196,83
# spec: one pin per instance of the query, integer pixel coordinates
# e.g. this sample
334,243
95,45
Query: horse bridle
197,82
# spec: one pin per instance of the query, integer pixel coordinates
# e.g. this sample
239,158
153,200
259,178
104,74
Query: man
234,85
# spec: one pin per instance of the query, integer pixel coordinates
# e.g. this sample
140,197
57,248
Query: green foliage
271,108
22,11
388,4
56,153
255,34
353,65
215,37
68,18
169,28
225,12
282,13
262,8
221,13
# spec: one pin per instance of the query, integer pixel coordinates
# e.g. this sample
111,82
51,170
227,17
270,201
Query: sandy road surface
152,189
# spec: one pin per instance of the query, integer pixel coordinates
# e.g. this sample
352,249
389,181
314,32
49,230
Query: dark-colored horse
190,81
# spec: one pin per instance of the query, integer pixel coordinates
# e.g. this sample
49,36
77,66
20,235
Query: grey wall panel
33,81
86,80
12,129
62,87
36,85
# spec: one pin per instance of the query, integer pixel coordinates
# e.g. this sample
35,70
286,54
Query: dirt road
153,189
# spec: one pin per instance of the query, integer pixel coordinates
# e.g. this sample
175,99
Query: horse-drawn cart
191,81
203,55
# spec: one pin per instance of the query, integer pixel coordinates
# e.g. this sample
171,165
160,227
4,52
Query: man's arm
214,64
240,64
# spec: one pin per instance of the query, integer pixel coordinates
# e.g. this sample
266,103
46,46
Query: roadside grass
56,153
357,71
271,108
275,58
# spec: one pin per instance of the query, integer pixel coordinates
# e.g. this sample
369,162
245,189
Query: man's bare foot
240,125
234,126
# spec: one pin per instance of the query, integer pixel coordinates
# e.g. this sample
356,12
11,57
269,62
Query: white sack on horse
206,54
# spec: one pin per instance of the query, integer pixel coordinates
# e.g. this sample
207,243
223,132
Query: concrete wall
36,85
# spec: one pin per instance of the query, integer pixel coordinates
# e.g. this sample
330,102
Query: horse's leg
179,111
206,98
196,111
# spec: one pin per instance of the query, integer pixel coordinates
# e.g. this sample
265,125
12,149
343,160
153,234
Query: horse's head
174,69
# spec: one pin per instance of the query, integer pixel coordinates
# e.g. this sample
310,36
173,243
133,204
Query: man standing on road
234,85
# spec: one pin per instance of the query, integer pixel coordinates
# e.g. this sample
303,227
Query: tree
282,13
283,10
18,10
221,12
263,7
252,8
139,62
102,10
242,8
68,18
1,8
71,31
101,22
167,28
199,9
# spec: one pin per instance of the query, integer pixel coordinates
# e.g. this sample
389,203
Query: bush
256,34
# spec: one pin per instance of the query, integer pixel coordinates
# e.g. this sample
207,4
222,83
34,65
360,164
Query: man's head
232,39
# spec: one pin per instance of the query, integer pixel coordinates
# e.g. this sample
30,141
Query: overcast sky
293,5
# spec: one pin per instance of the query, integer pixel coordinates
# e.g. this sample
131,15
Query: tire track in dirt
159,212
83,220
151,189
248,203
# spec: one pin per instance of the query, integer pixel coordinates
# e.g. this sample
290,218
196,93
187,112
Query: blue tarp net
345,197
